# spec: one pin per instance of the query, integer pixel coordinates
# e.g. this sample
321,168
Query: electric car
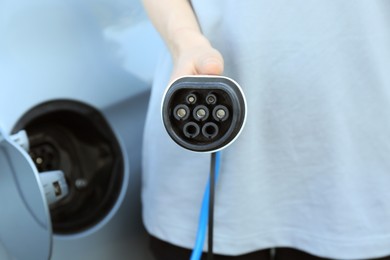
75,79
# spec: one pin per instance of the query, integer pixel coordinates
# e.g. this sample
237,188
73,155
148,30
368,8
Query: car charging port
75,138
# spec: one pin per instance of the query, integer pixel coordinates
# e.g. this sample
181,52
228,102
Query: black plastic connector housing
203,113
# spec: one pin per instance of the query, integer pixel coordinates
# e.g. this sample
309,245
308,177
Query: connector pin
201,113
181,112
221,113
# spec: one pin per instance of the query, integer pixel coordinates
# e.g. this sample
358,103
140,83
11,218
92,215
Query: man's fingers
210,63
200,62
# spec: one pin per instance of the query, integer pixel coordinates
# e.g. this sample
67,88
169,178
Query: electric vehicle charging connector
204,114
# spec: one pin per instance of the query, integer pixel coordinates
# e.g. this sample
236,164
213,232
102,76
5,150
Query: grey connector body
204,113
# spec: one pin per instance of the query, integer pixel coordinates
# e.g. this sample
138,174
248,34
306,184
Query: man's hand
191,52
195,56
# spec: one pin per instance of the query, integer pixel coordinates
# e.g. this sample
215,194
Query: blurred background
76,75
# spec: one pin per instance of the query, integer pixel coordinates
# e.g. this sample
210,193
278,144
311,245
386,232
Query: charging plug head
203,113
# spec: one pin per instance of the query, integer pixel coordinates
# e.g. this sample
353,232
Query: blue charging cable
206,212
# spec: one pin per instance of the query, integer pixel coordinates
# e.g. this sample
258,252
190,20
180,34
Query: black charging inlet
76,138
204,113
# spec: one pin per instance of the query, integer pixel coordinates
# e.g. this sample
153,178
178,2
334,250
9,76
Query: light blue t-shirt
311,169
